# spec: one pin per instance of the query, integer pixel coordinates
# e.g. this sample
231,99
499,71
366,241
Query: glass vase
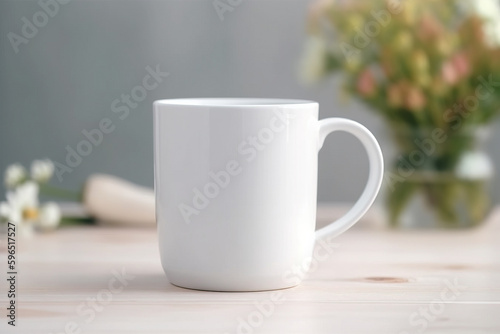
439,178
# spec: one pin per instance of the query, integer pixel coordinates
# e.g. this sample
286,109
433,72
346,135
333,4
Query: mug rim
232,102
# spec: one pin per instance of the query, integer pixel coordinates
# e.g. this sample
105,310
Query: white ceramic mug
235,183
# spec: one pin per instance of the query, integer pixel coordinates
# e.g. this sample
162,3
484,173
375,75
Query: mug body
235,183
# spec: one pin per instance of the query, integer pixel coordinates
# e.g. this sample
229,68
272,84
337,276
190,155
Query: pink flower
449,73
415,99
319,8
430,28
366,84
461,63
455,68
395,96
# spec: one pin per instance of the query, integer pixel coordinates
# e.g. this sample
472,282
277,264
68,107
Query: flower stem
52,191
77,221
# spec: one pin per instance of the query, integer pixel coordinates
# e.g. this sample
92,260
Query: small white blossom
14,174
21,208
5,212
486,9
50,216
474,166
26,195
42,170
21,199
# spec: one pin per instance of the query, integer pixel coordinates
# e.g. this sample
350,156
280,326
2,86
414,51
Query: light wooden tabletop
109,280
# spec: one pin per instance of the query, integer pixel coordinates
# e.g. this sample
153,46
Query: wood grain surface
97,279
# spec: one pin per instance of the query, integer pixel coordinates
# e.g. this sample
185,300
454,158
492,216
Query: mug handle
376,161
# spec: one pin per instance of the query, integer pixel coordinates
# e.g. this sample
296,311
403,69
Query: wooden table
375,281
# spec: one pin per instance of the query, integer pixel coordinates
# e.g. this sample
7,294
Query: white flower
489,11
486,9
50,216
313,63
23,210
14,174
42,170
21,207
22,203
474,166
5,212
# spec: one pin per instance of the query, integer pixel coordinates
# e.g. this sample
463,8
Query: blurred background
65,78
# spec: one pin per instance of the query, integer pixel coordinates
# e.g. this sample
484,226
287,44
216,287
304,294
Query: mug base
231,290
225,285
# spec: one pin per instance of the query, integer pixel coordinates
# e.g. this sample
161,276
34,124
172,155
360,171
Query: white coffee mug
236,183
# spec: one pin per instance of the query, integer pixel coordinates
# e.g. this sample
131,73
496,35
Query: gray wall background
64,80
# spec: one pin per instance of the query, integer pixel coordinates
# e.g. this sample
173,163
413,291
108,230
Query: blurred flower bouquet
104,198
430,68
22,206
